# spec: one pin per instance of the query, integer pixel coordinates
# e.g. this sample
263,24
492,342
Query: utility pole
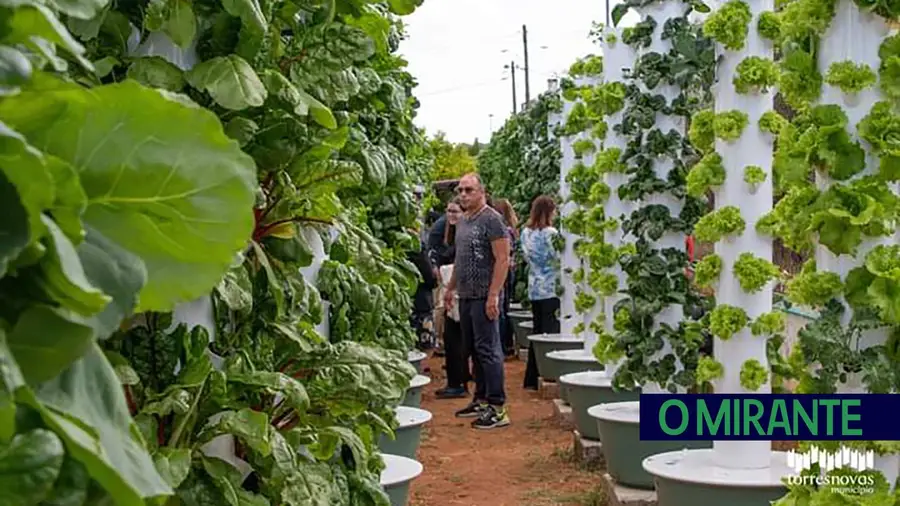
527,67
512,71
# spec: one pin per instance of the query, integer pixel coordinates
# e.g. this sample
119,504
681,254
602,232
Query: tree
451,161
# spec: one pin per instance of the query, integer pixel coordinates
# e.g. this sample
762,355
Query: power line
460,88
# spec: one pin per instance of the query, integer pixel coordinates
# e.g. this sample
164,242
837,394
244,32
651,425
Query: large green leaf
24,167
162,179
228,480
117,272
86,406
297,100
71,488
63,277
157,72
173,464
46,340
29,465
230,81
14,225
32,22
275,382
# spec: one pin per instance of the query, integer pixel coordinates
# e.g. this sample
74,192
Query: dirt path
528,463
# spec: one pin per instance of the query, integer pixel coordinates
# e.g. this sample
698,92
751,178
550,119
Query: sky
457,50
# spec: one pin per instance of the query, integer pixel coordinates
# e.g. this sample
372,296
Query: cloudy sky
457,50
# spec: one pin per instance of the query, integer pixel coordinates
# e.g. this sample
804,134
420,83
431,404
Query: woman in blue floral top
538,249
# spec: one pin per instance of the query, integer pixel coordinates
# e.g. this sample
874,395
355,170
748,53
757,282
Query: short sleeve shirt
474,256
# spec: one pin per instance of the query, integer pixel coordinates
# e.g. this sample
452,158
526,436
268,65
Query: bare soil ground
529,463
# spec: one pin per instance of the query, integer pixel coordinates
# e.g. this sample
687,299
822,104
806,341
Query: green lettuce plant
812,288
769,26
753,272
754,175
874,283
849,76
707,173
729,125
722,222
768,324
707,270
725,321
772,122
755,74
709,370
800,82
753,375
588,66
889,68
702,133
729,24
879,128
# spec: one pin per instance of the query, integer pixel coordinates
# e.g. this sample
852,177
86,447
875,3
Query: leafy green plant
608,162
606,99
722,222
706,174
611,39
729,24
754,175
768,324
709,370
726,321
754,74
707,270
813,288
800,82
889,68
702,132
818,140
641,34
753,272
583,147
588,66
769,26
772,122
849,76
729,125
873,284
753,375
94,198
584,302
879,128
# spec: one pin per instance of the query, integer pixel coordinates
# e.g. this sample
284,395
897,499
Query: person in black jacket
442,237
423,303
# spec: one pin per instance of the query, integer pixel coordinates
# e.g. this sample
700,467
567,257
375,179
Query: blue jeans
481,336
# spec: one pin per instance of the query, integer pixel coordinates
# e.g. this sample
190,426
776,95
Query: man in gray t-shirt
479,275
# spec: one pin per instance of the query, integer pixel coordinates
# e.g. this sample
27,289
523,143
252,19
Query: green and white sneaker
473,410
492,418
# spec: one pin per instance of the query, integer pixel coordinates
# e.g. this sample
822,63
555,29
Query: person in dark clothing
543,276
442,253
479,273
423,302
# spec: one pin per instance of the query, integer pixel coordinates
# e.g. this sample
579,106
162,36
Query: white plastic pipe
752,148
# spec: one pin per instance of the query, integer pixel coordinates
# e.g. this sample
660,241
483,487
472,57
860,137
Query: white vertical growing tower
857,52
569,261
852,45
618,56
737,166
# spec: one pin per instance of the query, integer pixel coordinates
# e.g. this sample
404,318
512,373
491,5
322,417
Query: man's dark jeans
482,337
